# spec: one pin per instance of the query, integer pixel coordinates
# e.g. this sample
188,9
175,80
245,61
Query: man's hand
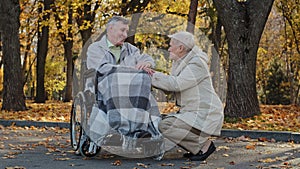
143,65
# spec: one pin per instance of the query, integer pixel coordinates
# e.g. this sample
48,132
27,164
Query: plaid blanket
125,104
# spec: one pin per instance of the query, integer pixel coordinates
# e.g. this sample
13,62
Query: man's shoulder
96,45
129,45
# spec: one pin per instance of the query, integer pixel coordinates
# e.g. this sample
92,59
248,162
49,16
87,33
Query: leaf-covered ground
272,118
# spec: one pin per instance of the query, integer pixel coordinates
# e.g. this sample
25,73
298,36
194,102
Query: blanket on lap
125,104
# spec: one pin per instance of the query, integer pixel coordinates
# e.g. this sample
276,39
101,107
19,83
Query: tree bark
243,22
135,8
42,51
192,16
13,94
68,46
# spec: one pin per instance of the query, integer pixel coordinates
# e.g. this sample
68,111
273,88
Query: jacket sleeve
136,53
189,77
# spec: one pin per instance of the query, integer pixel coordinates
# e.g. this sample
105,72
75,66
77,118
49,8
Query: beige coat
190,80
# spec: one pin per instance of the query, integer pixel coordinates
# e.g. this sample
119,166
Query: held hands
146,66
149,71
143,65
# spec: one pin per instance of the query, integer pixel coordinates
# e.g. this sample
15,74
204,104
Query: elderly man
114,50
201,111
124,100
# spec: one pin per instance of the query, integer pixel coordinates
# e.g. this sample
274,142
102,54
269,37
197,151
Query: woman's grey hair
115,19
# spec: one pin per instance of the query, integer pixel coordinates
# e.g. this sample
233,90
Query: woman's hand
149,71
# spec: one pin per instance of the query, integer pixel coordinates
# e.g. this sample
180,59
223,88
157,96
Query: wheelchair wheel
75,123
88,149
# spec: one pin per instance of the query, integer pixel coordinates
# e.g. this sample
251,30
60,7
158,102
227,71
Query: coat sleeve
190,76
136,53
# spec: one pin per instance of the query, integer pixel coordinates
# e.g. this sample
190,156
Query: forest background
257,45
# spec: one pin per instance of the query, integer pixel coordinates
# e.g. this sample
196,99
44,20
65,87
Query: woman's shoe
203,156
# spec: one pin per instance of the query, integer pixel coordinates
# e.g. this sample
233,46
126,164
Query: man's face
117,33
174,50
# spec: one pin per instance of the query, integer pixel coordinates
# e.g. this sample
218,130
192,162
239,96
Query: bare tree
244,22
13,94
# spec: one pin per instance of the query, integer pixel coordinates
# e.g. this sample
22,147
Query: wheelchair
84,98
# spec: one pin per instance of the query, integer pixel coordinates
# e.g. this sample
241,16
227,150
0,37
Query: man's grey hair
116,19
177,43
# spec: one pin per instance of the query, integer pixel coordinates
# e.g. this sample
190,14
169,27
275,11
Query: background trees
72,23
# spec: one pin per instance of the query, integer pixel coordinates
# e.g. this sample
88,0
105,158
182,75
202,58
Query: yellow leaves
85,25
167,108
10,155
272,118
267,160
250,147
54,111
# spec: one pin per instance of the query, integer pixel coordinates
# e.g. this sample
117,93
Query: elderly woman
201,111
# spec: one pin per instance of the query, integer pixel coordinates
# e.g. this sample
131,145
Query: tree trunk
42,51
135,8
68,46
87,14
13,94
192,16
244,22
132,28
69,56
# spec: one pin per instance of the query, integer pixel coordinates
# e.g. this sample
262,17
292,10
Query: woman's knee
165,124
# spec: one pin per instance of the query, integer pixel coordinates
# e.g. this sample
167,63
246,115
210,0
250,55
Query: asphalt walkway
49,147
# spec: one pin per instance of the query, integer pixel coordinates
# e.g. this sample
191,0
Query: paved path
34,148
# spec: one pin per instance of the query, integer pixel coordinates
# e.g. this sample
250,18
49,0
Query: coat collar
103,44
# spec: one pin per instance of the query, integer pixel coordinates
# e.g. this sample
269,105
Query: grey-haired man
113,48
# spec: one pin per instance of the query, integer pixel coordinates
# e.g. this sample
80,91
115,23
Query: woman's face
117,33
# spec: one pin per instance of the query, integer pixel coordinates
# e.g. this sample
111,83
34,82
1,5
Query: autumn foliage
272,117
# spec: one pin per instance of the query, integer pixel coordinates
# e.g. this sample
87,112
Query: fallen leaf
232,163
61,159
15,167
142,165
167,164
262,139
250,147
117,163
225,155
186,167
267,160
